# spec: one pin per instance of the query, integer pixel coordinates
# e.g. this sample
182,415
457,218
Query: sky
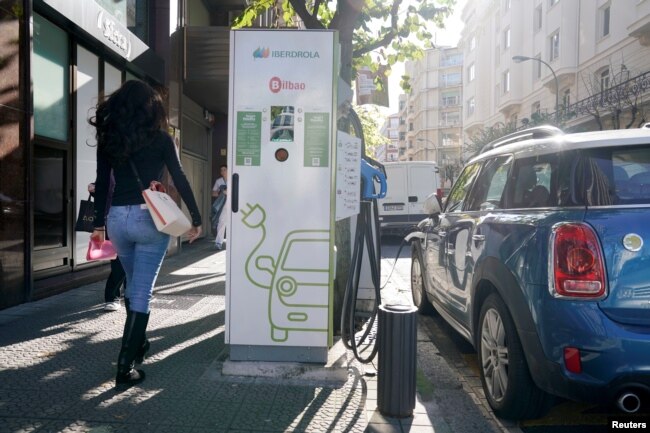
448,36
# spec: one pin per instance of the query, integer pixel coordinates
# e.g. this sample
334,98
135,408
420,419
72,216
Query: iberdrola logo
261,53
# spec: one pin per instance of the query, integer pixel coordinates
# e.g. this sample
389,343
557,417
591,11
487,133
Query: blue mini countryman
540,257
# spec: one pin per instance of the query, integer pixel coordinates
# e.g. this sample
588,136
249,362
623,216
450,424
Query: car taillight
578,267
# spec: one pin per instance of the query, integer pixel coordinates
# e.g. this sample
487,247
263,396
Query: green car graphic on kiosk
298,297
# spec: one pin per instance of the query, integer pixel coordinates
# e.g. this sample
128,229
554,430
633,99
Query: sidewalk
58,360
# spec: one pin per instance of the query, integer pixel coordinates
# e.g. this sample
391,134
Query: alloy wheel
494,354
416,283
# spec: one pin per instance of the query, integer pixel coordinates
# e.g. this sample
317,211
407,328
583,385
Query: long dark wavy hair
128,120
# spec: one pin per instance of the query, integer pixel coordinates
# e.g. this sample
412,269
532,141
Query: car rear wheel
417,283
507,384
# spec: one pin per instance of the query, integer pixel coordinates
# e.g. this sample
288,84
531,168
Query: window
554,45
451,79
471,73
461,188
50,63
604,80
449,139
490,185
449,100
471,105
614,176
505,82
537,19
472,43
604,13
535,108
450,119
530,183
506,38
411,126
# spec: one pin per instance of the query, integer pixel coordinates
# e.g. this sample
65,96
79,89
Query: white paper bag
167,216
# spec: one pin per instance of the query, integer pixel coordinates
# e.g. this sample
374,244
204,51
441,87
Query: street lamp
426,140
519,59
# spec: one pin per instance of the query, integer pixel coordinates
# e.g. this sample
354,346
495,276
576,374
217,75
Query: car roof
561,142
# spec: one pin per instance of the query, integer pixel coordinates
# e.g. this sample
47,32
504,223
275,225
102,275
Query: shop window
51,80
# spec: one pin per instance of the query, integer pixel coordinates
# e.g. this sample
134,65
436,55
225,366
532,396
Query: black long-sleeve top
150,162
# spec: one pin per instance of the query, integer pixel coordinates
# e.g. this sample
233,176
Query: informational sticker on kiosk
280,261
249,138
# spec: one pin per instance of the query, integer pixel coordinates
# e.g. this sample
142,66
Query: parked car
539,258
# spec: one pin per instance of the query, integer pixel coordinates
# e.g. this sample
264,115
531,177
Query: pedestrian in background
117,277
220,191
131,141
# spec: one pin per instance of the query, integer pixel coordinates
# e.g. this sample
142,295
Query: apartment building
434,108
389,152
581,64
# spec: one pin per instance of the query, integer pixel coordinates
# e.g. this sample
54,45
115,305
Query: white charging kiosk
281,159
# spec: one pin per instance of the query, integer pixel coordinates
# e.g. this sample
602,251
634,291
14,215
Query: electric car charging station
282,162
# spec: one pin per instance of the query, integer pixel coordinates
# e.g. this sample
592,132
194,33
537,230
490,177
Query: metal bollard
397,340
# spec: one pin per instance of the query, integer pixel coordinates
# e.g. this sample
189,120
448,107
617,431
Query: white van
409,184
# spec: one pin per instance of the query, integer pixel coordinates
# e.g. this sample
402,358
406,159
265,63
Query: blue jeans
141,249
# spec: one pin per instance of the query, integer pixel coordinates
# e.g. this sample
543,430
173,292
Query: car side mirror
432,205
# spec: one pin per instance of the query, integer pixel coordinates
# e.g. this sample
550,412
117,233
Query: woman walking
131,139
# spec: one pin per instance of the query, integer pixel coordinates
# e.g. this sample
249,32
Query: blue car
539,257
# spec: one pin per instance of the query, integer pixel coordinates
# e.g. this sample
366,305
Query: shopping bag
86,216
98,250
166,214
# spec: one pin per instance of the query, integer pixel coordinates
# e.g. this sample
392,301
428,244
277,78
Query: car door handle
478,238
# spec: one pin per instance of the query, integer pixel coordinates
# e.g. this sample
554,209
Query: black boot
132,340
142,350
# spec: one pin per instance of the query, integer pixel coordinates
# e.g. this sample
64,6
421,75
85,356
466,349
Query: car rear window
613,176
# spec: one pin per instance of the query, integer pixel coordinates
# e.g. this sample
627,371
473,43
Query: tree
371,33
371,121
615,100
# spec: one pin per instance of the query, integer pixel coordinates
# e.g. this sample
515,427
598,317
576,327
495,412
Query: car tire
506,380
418,291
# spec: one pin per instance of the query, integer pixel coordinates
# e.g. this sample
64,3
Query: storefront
79,51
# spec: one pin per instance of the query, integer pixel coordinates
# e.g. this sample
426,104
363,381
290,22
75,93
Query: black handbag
86,216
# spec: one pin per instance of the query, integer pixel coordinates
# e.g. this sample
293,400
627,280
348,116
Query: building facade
390,129
59,58
434,110
575,63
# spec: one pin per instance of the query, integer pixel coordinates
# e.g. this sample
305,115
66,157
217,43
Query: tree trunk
347,14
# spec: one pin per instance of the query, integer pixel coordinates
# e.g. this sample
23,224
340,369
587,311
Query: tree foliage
371,122
376,32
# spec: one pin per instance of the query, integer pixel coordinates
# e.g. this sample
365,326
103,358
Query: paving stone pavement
58,359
